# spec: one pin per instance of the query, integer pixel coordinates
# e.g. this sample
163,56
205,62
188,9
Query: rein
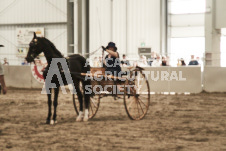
92,53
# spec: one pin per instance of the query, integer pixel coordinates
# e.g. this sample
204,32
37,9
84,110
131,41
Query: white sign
25,35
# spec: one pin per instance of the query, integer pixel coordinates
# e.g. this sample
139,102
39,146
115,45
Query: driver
112,60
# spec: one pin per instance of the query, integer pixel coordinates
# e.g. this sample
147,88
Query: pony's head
35,48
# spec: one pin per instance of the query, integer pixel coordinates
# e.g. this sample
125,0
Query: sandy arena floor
174,122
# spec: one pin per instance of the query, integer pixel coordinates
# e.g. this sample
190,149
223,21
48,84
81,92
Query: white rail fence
161,79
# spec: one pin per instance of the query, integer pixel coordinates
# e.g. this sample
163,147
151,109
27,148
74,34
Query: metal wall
186,23
49,14
32,11
185,32
126,22
55,33
220,14
100,23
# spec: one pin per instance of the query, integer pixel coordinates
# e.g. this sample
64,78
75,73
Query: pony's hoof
85,119
79,119
52,122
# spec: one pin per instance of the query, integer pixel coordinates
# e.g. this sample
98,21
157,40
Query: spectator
125,62
150,60
178,62
182,62
5,62
143,61
157,62
167,60
164,61
24,63
193,61
2,81
198,59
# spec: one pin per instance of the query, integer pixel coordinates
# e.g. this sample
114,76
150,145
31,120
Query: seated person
143,61
157,62
112,60
193,61
24,62
5,62
182,62
125,62
164,61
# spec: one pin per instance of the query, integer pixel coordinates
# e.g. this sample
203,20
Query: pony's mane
53,47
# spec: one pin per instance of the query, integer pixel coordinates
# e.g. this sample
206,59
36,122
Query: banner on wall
25,35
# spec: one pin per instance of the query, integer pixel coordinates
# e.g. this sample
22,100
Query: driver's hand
103,48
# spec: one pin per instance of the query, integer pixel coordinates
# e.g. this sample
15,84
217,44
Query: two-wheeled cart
133,88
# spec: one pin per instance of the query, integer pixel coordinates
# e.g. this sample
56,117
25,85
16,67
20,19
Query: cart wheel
93,106
137,96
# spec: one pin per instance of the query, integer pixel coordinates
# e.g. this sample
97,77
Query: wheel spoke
141,106
91,108
130,104
143,102
132,91
94,103
138,109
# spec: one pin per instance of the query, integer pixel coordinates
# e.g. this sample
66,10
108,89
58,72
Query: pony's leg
80,98
55,103
49,107
87,101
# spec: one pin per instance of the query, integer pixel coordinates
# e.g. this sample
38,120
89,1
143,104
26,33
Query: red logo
37,72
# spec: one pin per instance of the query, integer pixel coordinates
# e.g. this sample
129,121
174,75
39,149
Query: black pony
76,64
